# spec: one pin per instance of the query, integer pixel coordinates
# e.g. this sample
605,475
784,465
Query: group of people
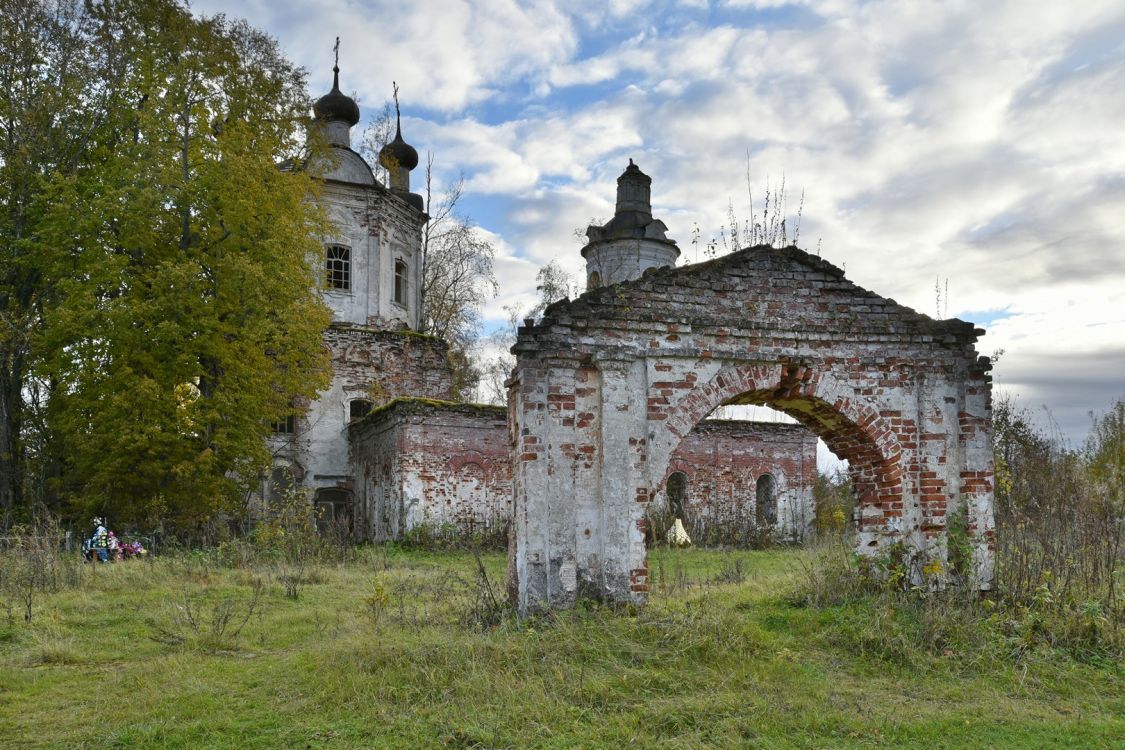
104,546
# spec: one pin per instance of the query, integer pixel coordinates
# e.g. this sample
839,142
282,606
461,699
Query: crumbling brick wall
389,364
367,364
723,460
421,461
436,463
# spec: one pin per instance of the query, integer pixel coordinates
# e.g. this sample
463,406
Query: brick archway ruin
607,385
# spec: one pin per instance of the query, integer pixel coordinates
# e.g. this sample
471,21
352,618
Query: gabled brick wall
608,385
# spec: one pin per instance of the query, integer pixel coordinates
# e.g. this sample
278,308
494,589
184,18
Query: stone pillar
937,467
625,486
978,474
545,514
589,550
527,398
562,510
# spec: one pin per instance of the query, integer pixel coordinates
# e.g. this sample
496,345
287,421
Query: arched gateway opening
608,385
854,432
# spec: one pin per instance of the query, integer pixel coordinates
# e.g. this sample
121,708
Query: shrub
1060,521
208,625
31,563
1059,526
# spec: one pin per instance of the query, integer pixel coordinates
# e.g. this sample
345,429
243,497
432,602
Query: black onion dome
336,105
398,153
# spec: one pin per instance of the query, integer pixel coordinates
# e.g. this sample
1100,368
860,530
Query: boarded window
400,282
338,266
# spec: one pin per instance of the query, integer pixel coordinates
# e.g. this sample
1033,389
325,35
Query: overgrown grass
395,648
902,618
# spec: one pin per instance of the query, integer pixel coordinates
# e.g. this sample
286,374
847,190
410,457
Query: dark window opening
765,506
677,494
286,426
333,510
338,266
359,409
400,282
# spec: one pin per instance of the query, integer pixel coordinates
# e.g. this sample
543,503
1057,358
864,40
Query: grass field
399,649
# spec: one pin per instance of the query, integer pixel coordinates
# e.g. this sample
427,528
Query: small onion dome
336,105
398,153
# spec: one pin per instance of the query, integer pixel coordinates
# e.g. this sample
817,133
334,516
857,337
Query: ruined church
384,449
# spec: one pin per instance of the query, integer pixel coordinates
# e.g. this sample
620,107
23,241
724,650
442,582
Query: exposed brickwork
723,460
367,364
422,461
389,364
905,399
426,461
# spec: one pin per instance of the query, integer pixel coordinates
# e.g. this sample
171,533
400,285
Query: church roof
336,105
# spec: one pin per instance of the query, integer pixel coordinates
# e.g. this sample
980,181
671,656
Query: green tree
55,90
183,318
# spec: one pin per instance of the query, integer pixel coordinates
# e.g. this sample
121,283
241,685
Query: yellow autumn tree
183,320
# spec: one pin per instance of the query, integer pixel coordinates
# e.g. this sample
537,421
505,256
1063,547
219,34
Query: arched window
401,282
677,493
765,506
358,409
594,280
338,267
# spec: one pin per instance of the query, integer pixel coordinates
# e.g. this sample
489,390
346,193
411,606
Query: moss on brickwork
410,405
401,333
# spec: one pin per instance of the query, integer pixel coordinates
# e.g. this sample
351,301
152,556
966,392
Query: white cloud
979,142
445,54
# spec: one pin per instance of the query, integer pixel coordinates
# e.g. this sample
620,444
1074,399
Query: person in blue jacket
99,542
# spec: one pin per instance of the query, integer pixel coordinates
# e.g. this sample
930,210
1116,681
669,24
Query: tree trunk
11,411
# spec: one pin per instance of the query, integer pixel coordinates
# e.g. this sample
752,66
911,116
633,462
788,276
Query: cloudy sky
978,146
